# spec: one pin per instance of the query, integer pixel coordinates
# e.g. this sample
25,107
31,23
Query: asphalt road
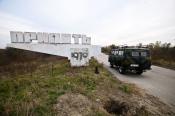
159,82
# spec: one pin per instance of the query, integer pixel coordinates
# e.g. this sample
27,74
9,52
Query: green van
136,59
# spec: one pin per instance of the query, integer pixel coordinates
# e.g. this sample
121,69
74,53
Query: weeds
35,95
37,91
126,88
36,86
164,63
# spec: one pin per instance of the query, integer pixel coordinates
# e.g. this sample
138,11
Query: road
159,82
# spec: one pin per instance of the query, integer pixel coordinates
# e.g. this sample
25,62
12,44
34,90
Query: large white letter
46,37
27,37
13,37
40,37
76,38
66,38
33,35
57,38
86,40
19,37
52,37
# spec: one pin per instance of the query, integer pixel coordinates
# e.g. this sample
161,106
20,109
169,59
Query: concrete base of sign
78,54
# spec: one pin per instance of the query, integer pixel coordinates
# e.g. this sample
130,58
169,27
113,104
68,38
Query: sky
105,21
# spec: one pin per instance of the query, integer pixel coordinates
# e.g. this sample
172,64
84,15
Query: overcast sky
106,21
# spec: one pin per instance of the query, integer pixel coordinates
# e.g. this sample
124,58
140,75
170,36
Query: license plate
134,65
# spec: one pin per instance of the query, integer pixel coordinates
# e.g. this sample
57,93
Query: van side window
117,52
144,54
135,53
120,53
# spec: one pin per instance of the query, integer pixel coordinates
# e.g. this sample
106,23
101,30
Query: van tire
121,70
111,65
139,72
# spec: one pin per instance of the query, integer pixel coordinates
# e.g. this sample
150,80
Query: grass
127,88
24,94
164,63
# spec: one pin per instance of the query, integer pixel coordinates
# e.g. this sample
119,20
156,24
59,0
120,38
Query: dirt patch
75,105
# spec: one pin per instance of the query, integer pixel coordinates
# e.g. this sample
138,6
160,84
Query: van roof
134,48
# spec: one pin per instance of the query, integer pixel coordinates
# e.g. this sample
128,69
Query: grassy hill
47,85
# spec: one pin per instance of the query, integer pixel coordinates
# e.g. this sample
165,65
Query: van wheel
111,65
139,72
121,70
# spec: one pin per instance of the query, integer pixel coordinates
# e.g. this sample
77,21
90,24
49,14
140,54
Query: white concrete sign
79,56
76,47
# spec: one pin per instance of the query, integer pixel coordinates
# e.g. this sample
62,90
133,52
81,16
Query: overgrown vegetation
26,94
48,86
162,54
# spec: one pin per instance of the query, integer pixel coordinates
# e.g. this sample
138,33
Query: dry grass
35,95
164,63
39,91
